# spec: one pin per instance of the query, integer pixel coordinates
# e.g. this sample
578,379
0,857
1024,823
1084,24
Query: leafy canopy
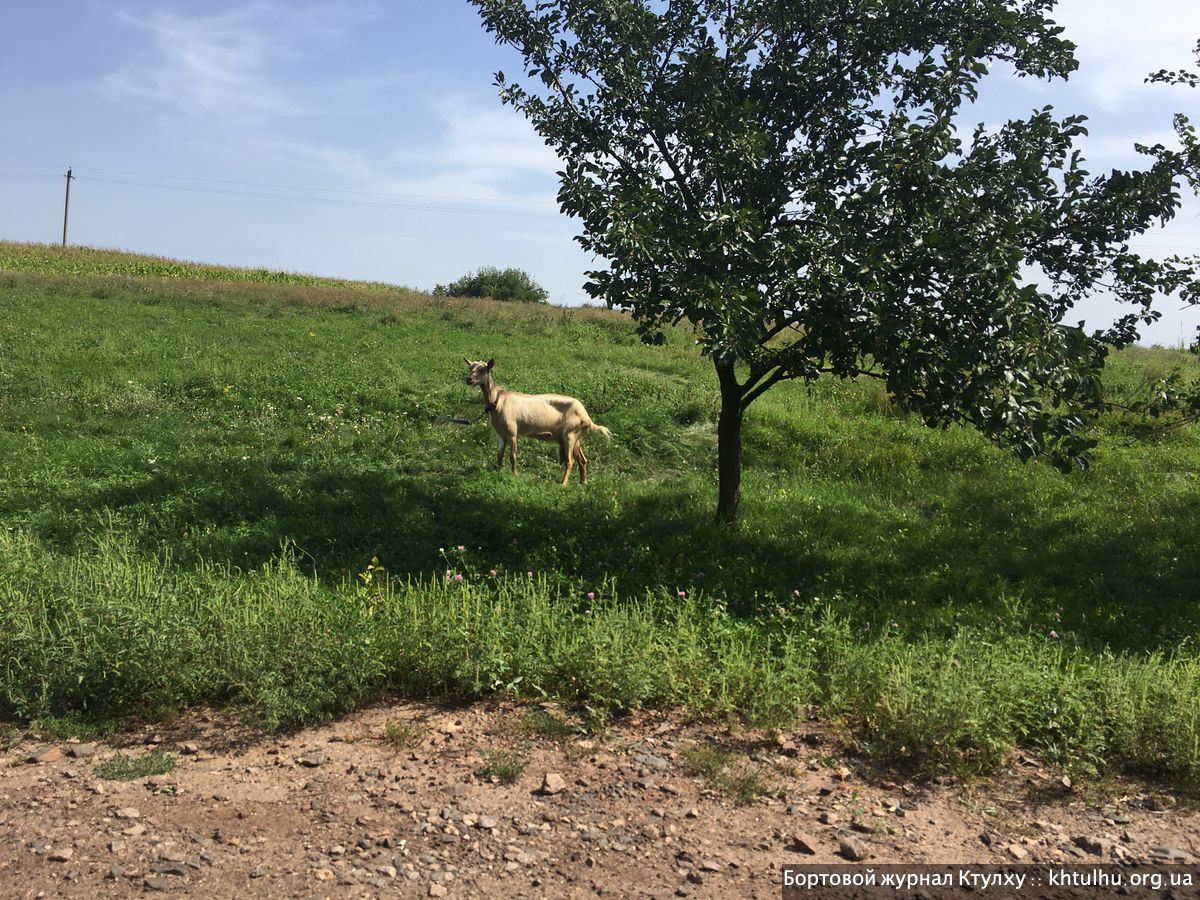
790,176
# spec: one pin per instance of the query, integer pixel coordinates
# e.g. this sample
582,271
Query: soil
397,800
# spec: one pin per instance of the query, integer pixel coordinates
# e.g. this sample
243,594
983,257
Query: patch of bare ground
510,801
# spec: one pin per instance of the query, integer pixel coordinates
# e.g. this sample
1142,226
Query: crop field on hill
258,493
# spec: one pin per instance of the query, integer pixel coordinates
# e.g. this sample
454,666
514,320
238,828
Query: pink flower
591,595
1053,634
458,576
491,573
682,594
530,574
461,548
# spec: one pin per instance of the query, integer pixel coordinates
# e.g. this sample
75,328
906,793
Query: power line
323,190
329,201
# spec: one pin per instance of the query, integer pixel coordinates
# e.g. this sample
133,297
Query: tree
789,177
506,284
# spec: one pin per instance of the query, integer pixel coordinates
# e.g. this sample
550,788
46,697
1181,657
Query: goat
547,417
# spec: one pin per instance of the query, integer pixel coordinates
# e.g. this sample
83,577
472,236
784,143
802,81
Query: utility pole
67,205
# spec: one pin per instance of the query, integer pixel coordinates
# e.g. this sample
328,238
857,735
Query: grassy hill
227,489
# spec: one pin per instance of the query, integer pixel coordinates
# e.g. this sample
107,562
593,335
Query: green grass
724,771
127,768
506,766
403,735
240,493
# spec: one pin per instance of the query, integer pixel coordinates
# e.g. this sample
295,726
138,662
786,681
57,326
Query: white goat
547,417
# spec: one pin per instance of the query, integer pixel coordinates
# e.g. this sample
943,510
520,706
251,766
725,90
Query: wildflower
796,593
1053,634
460,548
491,573
591,595
457,577
530,574
682,594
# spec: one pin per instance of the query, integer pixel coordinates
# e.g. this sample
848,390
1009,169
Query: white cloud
210,67
483,154
1122,41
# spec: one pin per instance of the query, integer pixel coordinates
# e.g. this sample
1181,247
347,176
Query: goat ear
491,362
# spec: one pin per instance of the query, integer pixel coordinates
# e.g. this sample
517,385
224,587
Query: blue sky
189,125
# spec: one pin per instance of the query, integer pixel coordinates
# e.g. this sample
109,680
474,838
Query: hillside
220,490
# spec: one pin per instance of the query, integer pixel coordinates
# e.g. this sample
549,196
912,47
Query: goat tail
600,428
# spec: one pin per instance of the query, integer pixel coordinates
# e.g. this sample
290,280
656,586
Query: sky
364,139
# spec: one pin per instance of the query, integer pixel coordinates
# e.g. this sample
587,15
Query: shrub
506,284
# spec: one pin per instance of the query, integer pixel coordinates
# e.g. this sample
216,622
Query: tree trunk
729,445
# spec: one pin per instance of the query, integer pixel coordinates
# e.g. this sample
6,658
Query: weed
505,766
127,768
403,735
546,724
726,772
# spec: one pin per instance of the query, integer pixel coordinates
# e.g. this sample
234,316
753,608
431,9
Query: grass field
224,489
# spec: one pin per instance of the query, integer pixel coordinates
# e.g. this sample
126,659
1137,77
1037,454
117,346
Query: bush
507,284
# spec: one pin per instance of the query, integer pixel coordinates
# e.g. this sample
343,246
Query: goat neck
491,390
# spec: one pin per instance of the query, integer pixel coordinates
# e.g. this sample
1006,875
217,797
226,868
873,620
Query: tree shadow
977,554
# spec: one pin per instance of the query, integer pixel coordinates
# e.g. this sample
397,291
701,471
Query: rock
134,830
82,751
1093,845
312,760
649,759
63,855
828,818
155,884
1170,854
437,890
189,749
708,865
553,783
487,823
46,755
802,843
128,812
1017,852
323,874
852,849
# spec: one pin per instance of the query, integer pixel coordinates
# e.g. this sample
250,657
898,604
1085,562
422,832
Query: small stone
802,843
82,751
1017,852
828,818
323,874
46,755
437,890
155,884
134,830
312,760
128,812
651,760
1170,854
852,849
553,783
1093,845
709,865
169,868
63,855
693,813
